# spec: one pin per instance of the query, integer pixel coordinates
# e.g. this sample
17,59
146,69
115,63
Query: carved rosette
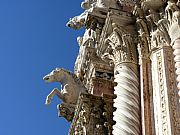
122,52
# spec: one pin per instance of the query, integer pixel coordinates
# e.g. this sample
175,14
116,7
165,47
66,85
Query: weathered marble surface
72,87
133,45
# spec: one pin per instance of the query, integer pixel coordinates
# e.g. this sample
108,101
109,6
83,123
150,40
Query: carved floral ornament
161,37
120,47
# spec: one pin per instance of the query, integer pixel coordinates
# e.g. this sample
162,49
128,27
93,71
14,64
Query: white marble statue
78,21
71,86
87,4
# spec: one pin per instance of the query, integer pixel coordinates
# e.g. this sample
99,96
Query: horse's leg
55,91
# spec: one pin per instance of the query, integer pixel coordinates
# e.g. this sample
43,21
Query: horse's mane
76,79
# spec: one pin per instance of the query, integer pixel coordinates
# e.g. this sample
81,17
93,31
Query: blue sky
33,41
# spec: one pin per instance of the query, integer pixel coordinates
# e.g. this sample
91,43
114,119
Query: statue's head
74,23
54,76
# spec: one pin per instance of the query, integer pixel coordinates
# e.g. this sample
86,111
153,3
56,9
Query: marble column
123,52
176,47
127,114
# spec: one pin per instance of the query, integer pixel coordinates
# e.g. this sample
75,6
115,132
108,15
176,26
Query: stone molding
164,91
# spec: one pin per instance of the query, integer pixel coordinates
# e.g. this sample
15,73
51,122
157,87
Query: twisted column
122,52
127,114
176,47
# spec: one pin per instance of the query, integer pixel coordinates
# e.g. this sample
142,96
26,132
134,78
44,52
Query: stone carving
172,12
144,36
176,47
152,19
144,47
88,39
173,95
152,4
121,48
78,21
163,104
127,101
66,111
164,92
71,86
144,39
89,118
122,52
161,36
87,4
99,4
108,63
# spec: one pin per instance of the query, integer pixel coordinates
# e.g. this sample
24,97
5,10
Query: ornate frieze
164,90
93,115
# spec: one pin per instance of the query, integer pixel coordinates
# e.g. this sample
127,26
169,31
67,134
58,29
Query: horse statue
78,21
72,87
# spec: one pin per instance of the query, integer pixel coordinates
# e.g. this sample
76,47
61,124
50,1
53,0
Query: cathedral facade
127,74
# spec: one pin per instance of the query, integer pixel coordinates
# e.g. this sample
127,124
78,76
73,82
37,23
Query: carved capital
121,47
161,37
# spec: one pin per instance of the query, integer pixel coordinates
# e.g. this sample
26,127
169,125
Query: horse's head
55,76
74,23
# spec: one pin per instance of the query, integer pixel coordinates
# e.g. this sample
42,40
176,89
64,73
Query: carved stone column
172,11
164,96
127,114
176,47
173,15
122,52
